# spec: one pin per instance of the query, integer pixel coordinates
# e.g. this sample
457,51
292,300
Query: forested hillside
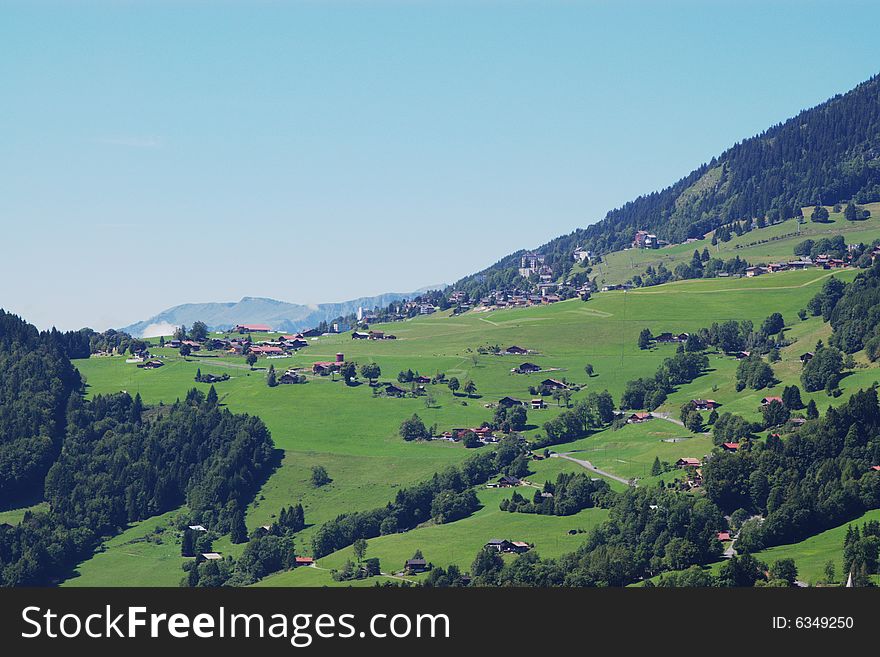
36,381
825,155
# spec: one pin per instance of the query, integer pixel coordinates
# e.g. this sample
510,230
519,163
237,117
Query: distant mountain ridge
827,154
280,315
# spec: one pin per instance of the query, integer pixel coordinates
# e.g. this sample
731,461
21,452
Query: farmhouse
261,350
554,384
807,357
151,364
252,328
359,335
208,556
513,350
688,463
394,391
723,536
704,404
507,402
325,367
769,400
506,481
638,418
730,447
303,561
413,566
500,544
290,376
538,404
526,368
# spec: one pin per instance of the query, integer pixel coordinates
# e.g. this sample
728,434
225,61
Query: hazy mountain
280,315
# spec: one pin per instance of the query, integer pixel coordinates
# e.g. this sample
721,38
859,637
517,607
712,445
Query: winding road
592,468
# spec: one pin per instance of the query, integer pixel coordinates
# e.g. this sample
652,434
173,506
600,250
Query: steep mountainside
827,154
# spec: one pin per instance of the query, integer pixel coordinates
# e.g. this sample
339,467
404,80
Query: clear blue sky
155,153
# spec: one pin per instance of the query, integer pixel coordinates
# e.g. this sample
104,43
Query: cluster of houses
372,335
506,545
545,294
484,434
823,261
670,338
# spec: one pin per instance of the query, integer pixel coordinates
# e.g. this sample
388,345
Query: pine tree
812,411
656,469
211,399
187,545
271,381
238,529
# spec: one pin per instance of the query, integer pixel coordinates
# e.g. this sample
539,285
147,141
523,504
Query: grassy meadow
354,434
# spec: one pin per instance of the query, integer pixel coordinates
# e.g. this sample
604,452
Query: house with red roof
252,328
730,447
688,463
637,418
768,400
303,561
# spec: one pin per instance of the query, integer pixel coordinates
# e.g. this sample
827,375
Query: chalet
704,404
799,264
507,402
554,384
326,367
515,351
303,561
359,335
291,338
638,418
413,566
519,547
688,463
730,447
740,355
645,240
252,328
376,335
769,400
311,333
538,404
551,298
506,481
751,272
208,556
723,536
807,357
151,364
774,267
289,377
394,391
422,379
192,344
664,338
173,344
500,544
526,368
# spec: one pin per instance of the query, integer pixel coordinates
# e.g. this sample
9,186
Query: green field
354,434
771,244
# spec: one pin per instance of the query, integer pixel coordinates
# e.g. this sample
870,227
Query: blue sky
155,153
